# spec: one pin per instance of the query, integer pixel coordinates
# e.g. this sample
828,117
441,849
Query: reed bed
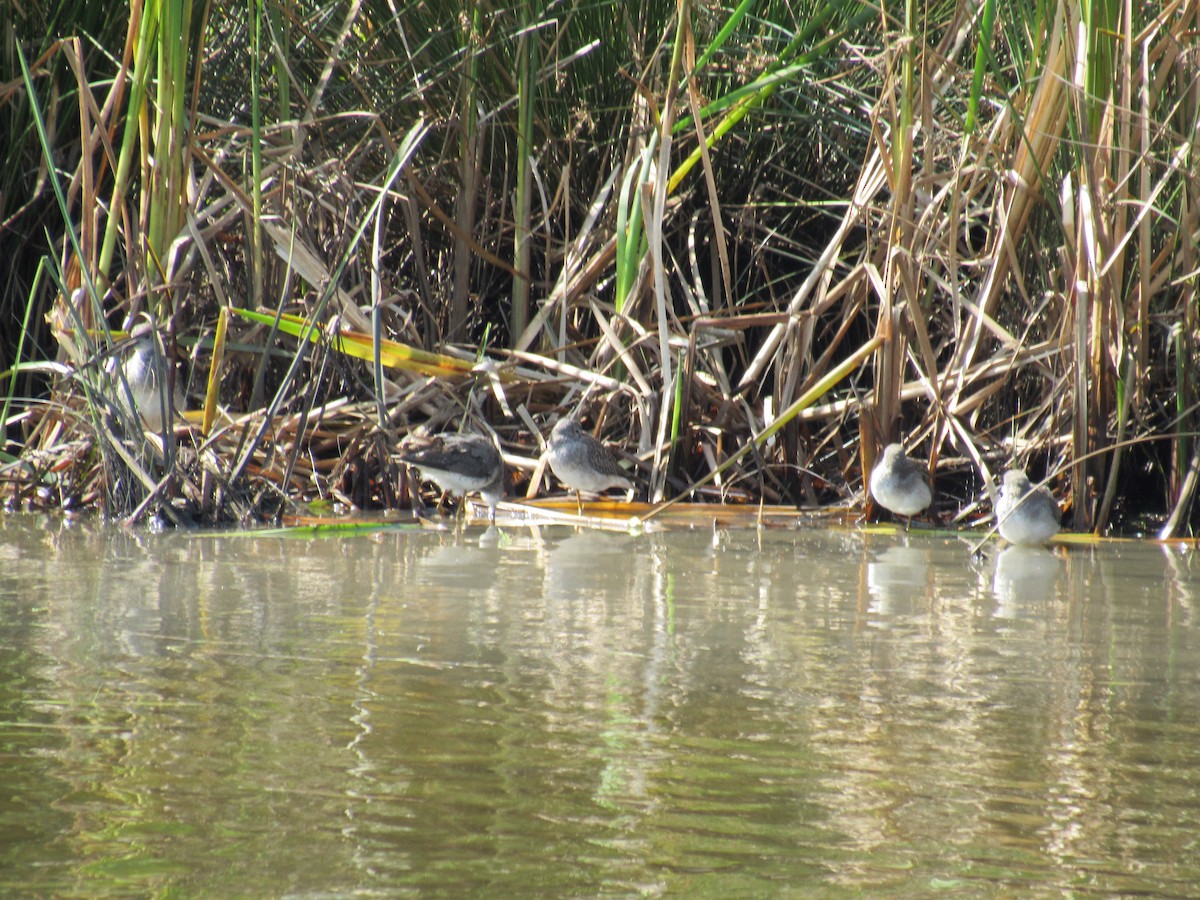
753,244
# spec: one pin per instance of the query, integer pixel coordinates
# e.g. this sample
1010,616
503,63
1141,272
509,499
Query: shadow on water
551,711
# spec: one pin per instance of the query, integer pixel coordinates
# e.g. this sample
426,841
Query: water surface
574,713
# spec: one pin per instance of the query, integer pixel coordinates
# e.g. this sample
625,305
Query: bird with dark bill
898,484
141,390
459,464
1025,515
581,462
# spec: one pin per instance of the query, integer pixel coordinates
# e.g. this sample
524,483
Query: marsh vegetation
756,242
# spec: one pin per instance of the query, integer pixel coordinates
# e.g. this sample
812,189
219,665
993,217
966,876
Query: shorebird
145,373
581,462
898,484
1024,515
459,463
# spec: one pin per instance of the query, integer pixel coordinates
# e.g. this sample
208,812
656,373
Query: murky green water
811,713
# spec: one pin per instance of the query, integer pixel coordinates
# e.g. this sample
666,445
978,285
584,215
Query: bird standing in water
900,485
1025,515
459,463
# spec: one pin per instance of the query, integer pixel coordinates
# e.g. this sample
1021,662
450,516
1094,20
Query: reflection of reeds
632,210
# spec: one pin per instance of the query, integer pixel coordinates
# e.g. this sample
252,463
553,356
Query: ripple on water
564,713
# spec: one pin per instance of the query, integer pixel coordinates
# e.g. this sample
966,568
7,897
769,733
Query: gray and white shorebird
581,462
1024,515
145,376
459,463
898,484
